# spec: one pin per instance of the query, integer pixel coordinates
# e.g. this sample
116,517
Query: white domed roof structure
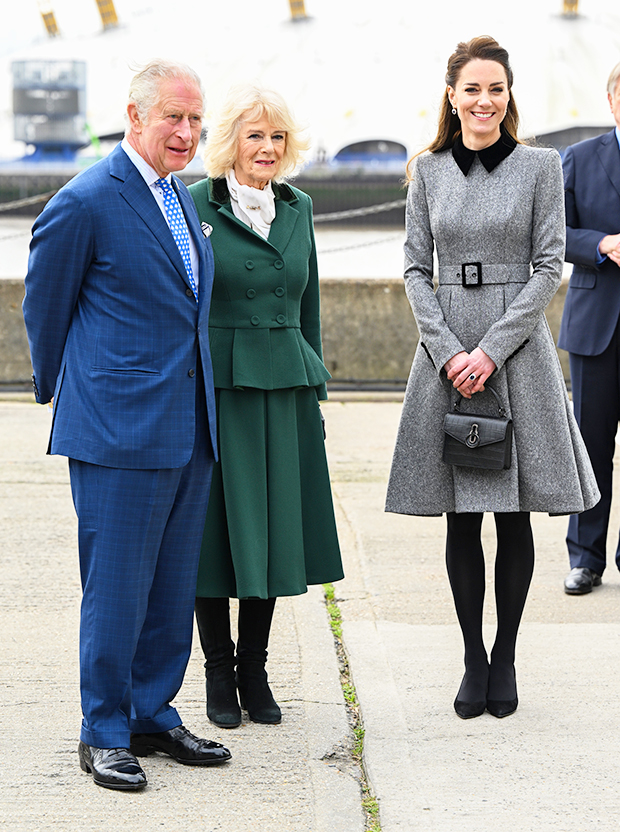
353,72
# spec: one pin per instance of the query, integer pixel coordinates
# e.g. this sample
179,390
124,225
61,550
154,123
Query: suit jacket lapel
609,154
136,193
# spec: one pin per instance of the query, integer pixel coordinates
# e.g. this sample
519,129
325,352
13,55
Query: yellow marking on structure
49,18
298,9
107,13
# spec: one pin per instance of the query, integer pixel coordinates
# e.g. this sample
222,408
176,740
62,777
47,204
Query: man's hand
610,247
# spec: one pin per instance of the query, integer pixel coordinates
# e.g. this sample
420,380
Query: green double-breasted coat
270,526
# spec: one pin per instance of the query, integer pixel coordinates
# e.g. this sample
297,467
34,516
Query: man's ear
134,118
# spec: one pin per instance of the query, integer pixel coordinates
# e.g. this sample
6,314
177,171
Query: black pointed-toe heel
502,707
468,710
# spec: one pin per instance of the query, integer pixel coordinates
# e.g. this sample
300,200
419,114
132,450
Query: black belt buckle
471,274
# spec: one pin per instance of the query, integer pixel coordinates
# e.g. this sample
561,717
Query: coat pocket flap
583,279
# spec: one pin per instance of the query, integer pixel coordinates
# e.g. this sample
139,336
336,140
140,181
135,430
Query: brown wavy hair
483,48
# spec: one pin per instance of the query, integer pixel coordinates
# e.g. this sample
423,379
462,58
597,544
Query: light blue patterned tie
178,226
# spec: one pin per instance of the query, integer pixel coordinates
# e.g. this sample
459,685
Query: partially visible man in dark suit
590,329
116,308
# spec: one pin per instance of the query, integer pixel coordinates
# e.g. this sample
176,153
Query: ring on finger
472,377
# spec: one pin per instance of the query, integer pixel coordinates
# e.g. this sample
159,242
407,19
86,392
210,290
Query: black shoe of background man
580,581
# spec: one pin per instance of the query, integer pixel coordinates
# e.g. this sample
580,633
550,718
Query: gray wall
369,334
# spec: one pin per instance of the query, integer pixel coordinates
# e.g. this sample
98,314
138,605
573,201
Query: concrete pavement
551,767
295,777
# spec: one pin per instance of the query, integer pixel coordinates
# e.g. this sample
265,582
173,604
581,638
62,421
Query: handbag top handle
500,408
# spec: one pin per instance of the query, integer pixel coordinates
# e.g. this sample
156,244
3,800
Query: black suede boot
213,619
255,617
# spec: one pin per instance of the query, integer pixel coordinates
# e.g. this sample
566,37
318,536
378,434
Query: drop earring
453,111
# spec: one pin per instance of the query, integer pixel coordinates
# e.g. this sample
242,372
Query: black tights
514,565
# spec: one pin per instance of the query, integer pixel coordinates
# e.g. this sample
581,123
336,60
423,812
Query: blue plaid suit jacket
592,198
115,333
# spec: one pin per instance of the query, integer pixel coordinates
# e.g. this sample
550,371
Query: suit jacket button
281,319
191,373
251,293
278,292
278,264
255,320
189,293
249,264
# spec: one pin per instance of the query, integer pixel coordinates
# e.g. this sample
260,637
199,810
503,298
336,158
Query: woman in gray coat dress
492,208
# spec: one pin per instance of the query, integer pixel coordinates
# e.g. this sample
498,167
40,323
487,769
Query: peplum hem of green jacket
268,359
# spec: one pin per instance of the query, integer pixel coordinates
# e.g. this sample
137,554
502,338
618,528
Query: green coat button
251,293
255,320
279,292
281,319
279,264
249,264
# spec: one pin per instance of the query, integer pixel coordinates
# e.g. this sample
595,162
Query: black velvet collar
489,156
218,191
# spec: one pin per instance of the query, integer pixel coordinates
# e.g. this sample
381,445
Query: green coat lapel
283,225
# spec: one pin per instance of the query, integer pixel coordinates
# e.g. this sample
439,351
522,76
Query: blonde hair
248,102
145,84
483,48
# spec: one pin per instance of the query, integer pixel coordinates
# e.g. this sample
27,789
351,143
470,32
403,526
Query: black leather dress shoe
580,581
112,768
182,746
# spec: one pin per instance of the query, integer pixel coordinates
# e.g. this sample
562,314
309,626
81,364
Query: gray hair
612,83
145,84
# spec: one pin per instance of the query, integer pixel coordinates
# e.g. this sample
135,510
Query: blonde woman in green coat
270,528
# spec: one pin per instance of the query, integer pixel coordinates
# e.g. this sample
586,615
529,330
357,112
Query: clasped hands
463,365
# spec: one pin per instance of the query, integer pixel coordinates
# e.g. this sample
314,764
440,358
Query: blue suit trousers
139,533
595,383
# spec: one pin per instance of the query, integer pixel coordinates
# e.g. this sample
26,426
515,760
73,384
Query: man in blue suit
590,329
116,308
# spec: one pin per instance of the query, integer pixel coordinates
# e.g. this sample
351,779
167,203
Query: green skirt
270,528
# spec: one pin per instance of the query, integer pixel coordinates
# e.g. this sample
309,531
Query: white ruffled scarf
252,206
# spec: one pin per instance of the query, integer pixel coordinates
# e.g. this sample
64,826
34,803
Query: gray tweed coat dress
510,220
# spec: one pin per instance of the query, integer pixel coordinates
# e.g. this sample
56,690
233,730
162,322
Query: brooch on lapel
207,229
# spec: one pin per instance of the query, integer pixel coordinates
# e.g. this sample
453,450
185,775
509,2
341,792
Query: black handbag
477,441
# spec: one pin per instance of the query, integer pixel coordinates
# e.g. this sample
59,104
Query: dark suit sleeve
61,251
310,302
581,242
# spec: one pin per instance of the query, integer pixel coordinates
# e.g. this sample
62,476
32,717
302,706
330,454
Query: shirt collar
489,156
148,173
618,135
